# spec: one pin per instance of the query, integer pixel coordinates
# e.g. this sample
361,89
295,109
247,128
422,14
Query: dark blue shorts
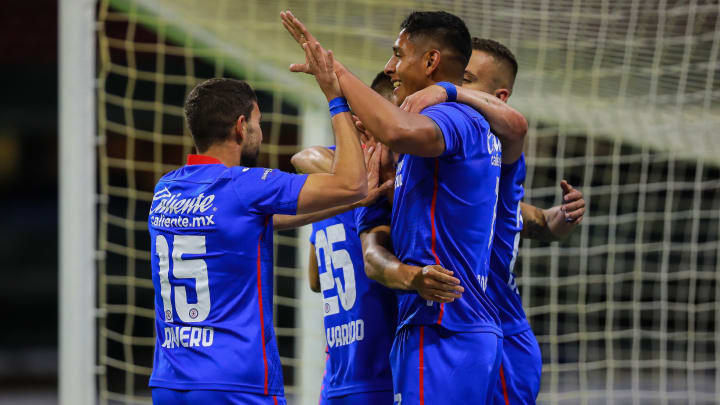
361,398
435,366
519,381
165,396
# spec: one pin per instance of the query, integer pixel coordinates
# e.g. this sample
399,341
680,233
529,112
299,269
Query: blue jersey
444,213
360,315
376,214
212,268
501,286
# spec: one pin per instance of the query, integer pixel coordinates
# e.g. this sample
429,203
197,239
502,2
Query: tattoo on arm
533,229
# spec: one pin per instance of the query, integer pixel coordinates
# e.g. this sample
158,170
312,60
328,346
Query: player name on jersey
188,336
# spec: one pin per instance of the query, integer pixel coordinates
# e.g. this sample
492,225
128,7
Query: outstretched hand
318,61
424,98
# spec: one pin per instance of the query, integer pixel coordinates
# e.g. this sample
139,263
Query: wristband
338,105
449,89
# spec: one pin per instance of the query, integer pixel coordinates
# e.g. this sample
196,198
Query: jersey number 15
183,268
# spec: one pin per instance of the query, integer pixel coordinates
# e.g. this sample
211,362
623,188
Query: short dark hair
213,107
500,53
382,85
448,30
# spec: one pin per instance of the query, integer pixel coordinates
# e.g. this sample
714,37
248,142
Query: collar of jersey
202,160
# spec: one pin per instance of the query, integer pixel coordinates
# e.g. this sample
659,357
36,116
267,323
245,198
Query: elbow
296,159
396,136
520,126
370,272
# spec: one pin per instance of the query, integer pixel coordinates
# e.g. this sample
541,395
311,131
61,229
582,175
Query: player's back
212,261
444,214
360,315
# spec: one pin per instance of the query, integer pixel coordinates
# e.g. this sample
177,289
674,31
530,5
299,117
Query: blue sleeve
379,213
269,191
460,126
312,234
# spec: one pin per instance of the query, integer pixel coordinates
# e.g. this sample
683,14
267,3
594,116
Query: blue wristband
449,89
338,105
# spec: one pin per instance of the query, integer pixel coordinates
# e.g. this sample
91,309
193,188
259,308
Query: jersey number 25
337,259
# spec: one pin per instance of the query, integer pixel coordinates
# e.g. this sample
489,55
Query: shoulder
256,174
456,112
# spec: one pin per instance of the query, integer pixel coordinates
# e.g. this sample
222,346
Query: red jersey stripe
420,373
433,232
260,302
504,385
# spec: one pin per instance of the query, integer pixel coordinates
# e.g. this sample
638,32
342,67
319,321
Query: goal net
622,98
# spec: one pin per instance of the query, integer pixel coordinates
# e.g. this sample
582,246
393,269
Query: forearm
349,162
507,123
382,265
535,224
313,276
281,222
402,131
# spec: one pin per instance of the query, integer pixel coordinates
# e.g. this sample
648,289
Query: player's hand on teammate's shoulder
424,98
375,187
573,203
435,283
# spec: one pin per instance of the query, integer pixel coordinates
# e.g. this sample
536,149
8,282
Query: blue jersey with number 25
360,315
212,269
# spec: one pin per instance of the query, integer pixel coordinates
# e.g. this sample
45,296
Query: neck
228,153
438,76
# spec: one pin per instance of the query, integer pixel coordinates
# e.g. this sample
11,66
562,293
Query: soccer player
442,215
360,315
211,242
492,69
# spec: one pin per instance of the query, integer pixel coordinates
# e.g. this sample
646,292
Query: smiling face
407,68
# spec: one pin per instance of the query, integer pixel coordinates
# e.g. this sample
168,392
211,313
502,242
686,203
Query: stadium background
622,100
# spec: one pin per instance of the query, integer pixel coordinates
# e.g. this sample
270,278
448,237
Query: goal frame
77,230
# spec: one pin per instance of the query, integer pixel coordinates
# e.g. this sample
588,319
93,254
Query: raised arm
375,190
403,132
507,123
556,223
347,184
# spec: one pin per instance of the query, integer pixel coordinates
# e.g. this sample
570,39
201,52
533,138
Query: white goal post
77,371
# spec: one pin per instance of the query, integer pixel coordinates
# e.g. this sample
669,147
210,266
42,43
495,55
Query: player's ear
502,94
432,61
240,129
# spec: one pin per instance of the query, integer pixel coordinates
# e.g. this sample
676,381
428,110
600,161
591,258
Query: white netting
622,99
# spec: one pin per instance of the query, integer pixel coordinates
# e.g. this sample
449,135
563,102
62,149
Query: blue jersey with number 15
212,269
360,315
